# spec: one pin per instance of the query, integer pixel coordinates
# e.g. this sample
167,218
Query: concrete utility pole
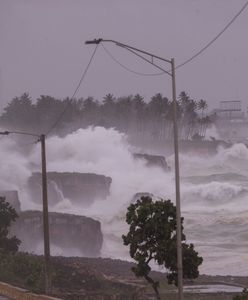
41,138
45,217
175,129
177,185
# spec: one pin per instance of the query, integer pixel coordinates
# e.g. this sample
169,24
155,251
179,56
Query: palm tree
188,115
158,112
205,124
202,105
89,112
107,110
138,111
123,113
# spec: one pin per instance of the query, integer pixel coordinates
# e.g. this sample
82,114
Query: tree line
131,114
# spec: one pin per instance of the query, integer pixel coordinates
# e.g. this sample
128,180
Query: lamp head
4,132
95,41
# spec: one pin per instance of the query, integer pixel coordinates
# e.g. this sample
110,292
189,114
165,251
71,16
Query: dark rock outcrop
81,188
70,233
153,160
12,198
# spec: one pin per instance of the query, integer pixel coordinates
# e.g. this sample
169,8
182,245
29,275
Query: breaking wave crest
213,188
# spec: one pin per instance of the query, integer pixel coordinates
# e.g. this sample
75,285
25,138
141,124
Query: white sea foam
212,133
212,195
215,211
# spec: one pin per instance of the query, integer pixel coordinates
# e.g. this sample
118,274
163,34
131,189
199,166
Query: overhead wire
214,39
74,93
125,67
198,53
140,73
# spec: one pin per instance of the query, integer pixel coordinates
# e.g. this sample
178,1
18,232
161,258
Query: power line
126,68
74,93
215,38
145,74
189,59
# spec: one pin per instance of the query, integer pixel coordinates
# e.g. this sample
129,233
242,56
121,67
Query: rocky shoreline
118,273
104,278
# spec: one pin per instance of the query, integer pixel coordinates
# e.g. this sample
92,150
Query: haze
43,51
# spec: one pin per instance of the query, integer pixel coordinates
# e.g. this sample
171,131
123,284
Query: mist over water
214,191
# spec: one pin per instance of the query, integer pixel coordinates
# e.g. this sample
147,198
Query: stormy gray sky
43,51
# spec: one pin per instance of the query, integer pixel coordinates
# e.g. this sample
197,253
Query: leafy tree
19,113
152,237
7,216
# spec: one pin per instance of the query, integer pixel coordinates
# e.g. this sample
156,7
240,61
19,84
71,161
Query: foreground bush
23,270
243,296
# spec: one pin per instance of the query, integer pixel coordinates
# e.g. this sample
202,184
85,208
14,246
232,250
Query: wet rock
153,160
69,234
80,188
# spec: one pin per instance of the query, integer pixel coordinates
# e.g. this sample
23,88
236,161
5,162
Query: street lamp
42,138
171,73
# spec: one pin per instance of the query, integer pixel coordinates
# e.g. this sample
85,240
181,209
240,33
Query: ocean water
214,191
215,208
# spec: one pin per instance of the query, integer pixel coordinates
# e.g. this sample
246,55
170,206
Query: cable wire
214,39
74,93
126,68
189,59
144,74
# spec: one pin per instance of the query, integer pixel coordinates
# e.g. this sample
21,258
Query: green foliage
23,270
17,268
152,236
242,296
7,216
19,113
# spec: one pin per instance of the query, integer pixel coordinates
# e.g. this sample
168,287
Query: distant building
231,121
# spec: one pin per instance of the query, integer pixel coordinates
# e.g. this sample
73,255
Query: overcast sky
42,47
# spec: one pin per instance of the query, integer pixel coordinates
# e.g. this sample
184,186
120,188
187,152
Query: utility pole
177,184
171,73
45,217
47,269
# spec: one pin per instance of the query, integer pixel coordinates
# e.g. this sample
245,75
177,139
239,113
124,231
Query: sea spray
15,170
212,133
215,211
101,151
212,195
